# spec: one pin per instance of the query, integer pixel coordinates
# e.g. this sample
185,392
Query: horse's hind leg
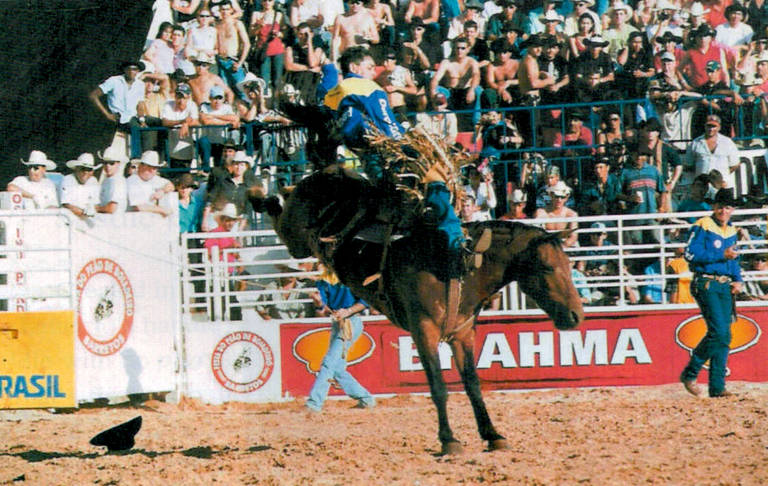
463,353
427,341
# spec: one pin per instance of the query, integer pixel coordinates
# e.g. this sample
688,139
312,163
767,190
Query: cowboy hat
551,16
697,10
763,57
735,7
83,160
749,79
518,197
119,437
595,41
665,5
560,189
620,6
703,30
228,211
668,36
112,154
476,4
36,157
241,156
151,158
250,79
535,40
724,197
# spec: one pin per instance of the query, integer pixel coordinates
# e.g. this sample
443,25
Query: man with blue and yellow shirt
714,261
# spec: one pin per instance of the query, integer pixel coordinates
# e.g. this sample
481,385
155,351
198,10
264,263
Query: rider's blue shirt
706,245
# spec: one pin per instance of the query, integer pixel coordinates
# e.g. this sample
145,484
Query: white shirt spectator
140,191
201,39
79,195
113,189
444,127
725,156
170,113
122,98
484,197
733,36
43,192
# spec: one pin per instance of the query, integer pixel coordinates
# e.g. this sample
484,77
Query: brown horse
414,288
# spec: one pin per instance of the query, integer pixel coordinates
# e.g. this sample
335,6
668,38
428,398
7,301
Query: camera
664,16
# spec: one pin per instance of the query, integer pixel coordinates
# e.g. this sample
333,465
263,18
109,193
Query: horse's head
544,274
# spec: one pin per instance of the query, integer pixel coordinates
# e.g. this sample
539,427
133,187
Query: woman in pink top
160,53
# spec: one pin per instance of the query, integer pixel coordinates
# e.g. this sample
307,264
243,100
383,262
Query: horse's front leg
427,339
464,356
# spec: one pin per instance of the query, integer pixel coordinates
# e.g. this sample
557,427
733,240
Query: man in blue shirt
714,261
639,184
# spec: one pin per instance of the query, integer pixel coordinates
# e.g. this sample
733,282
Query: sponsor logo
745,333
30,386
105,306
242,362
310,348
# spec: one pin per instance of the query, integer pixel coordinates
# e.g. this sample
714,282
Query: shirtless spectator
303,63
205,80
80,191
429,13
217,112
385,22
397,82
113,196
460,74
355,28
233,46
531,81
35,186
559,194
426,53
501,79
145,188
202,37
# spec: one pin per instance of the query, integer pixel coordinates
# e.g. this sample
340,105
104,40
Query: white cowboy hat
228,211
36,157
551,15
749,79
665,5
252,78
559,189
620,6
697,10
518,196
763,57
83,160
241,156
151,158
112,154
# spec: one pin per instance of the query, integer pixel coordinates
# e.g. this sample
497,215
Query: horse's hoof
452,448
498,445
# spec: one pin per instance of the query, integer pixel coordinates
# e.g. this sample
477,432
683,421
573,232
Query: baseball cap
713,66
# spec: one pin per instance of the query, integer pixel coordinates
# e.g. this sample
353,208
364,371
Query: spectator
160,52
734,32
594,60
179,116
651,291
233,46
457,26
354,28
599,197
398,83
597,267
287,295
79,191
587,28
756,288
553,62
694,63
542,191
696,200
460,75
577,135
501,79
714,150
511,14
470,211
636,61
559,194
669,42
757,16
675,116
307,12
611,133
696,18
234,188
123,93
663,156
573,22
157,93
190,204
227,220
442,124
205,80
718,106
385,22
202,36
678,288
480,187
534,25
113,197
619,29
145,188
266,27
517,202
428,13
478,48
426,53
639,184
303,64
36,186
179,45
216,112
531,81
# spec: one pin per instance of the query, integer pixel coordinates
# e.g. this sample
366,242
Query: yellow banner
37,360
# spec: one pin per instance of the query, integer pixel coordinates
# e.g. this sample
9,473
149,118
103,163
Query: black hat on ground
119,437
724,197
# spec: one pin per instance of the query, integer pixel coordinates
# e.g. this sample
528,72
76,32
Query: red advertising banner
622,348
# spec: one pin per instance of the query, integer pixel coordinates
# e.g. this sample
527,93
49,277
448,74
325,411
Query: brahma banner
622,348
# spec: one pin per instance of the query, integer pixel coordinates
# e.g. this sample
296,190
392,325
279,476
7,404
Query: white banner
233,361
126,297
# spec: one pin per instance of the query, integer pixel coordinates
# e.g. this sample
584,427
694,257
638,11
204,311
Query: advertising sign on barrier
622,348
37,361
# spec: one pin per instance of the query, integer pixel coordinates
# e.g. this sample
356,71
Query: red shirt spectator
694,64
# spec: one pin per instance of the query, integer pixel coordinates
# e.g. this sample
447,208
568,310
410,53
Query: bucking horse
413,291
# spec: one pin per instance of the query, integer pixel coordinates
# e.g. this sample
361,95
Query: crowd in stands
575,107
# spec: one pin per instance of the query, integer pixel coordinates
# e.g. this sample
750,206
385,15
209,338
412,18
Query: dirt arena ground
632,436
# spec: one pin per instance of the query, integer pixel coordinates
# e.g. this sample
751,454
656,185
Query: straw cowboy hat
151,158
36,157
229,211
83,160
697,10
560,189
241,156
112,154
620,6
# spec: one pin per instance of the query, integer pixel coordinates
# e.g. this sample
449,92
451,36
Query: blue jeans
273,64
715,301
229,76
335,367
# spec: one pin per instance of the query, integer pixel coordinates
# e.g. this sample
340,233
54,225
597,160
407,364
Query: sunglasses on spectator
217,97
560,197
